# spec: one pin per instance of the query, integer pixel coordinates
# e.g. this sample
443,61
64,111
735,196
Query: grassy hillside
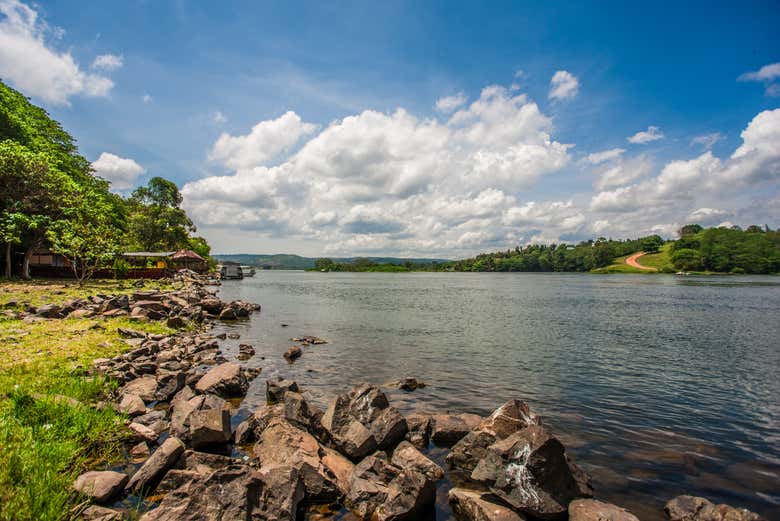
661,261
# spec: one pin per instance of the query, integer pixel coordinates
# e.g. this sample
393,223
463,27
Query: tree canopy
50,196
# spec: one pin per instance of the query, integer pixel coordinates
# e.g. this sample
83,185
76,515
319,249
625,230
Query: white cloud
646,136
34,66
707,216
108,62
563,85
266,141
765,73
606,155
707,140
146,98
219,117
374,181
120,171
623,171
447,104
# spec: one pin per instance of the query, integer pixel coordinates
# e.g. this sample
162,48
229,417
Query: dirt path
632,261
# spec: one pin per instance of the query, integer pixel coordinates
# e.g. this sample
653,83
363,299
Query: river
658,385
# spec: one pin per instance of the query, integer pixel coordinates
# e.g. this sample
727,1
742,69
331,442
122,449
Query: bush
121,267
687,260
737,271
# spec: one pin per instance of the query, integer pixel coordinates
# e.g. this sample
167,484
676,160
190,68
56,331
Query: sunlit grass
39,292
50,430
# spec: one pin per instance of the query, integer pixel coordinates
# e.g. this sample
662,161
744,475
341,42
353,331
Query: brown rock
225,380
147,477
692,508
132,405
324,472
470,505
448,429
361,421
292,353
531,471
140,451
209,427
144,387
225,494
98,513
100,485
419,433
142,432
276,387
592,510
407,456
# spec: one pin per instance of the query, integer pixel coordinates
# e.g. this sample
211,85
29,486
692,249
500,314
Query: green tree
324,264
689,229
156,221
652,244
687,260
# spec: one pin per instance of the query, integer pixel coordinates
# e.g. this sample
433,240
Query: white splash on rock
521,479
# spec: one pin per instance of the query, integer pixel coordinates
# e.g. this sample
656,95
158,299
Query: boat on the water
248,271
229,270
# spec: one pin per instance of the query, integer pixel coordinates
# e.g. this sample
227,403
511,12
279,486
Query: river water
658,385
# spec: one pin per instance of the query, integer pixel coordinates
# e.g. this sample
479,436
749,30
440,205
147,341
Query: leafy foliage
728,250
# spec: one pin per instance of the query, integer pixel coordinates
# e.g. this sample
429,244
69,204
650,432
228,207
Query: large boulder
226,380
275,388
592,510
470,505
229,493
511,417
531,471
362,421
100,485
324,472
144,387
147,477
448,429
183,411
382,491
249,430
407,456
692,508
132,405
209,427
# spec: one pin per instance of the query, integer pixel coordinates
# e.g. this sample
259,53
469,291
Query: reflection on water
659,385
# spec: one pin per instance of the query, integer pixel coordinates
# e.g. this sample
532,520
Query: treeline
50,198
727,250
585,256
368,265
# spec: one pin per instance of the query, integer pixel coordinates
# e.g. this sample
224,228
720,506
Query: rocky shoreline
361,454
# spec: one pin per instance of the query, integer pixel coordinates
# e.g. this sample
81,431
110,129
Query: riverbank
183,386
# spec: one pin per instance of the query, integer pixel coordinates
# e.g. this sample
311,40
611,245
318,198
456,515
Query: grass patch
49,430
39,292
662,261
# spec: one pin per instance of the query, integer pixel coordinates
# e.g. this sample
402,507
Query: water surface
658,385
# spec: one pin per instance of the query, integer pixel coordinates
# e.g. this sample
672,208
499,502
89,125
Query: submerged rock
692,508
470,505
292,353
531,471
592,510
448,429
98,513
362,421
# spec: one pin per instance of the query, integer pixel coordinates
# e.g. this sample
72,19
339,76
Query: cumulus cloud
676,193
606,155
34,66
646,136
108,62
447,104
391,182
120,171
563,86
707,216
266,141
623,171
707,140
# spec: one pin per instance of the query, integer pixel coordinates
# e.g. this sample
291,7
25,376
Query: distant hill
284,261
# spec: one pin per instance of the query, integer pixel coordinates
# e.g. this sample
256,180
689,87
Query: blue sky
344,172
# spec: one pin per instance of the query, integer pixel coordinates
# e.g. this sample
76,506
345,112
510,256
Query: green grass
660,261
39,292
47,438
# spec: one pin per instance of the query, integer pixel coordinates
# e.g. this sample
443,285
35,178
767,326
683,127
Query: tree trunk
8,260
26,262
